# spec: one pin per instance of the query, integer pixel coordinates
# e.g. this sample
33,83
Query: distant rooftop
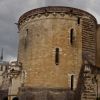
4,62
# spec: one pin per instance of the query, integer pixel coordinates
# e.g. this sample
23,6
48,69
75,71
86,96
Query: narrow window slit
71,36
78,21
72,82
26,37
57,56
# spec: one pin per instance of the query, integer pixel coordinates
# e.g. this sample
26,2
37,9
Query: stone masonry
52,42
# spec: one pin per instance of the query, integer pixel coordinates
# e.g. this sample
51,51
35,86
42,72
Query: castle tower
52,41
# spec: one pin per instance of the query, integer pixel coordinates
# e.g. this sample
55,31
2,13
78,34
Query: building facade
10,79
58,57
3,89
98,46
57,47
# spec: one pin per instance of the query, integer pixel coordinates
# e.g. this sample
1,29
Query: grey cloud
11,10
89,5
71,3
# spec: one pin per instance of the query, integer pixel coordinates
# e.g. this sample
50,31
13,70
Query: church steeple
1,57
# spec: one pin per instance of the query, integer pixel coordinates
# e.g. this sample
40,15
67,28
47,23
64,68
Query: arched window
15,98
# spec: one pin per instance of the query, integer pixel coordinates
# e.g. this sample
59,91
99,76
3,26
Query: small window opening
78,21
27,30
6,67
26,33
57,56
26,37
1,68
72,82
71,36
5,98
15,98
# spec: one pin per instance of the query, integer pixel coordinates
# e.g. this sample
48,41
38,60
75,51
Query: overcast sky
11,10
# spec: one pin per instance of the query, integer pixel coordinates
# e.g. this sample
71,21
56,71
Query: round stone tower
52,41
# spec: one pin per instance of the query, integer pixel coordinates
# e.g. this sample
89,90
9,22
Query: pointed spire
1,58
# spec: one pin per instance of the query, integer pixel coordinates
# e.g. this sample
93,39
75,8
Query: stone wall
46,94
98,47
37,49
45,29
89,39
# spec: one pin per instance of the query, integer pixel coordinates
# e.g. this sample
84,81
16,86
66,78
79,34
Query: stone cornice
55,9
